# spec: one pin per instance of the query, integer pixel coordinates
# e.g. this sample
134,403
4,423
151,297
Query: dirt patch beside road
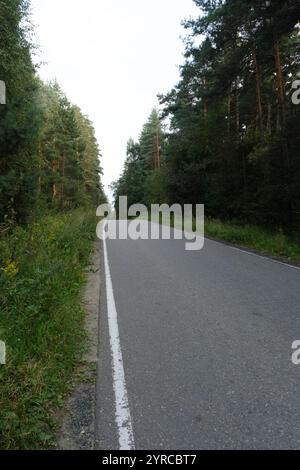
78,429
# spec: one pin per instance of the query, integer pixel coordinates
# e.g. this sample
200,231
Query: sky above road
112,58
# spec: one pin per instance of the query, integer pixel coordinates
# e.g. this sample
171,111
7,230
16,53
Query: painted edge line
122,411
250,253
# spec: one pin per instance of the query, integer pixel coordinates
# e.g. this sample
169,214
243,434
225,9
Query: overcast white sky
112,58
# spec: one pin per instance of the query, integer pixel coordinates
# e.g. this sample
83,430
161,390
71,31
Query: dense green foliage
42,323
68,153
278,245
49,179
49,157
233,142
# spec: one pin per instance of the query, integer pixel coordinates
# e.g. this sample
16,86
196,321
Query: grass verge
42,323
275,244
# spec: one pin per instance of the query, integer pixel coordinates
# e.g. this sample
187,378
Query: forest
49,156
50,186
228,133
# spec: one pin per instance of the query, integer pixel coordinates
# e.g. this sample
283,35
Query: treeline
233,138
49,156
142,177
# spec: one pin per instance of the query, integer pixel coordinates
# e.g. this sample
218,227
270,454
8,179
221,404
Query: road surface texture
206,348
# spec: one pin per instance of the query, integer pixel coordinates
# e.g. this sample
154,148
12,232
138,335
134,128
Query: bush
42,323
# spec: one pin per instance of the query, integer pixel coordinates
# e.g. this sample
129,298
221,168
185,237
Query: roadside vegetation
268,242
50,180
42,323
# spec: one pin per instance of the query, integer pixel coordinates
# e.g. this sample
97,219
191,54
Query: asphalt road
206,343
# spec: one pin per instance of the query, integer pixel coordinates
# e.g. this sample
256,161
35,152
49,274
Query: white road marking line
123,416
272,260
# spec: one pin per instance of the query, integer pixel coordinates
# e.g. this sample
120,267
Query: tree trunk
269,125
258,92
279,82
54,191
156,152
54,187
63,177
205,107
229,114
40,169
237,114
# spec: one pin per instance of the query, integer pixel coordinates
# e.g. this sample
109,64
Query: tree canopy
49,156
233,142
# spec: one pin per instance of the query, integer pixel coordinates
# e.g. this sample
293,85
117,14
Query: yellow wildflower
11,269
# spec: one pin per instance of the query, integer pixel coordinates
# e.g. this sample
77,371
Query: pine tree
19,117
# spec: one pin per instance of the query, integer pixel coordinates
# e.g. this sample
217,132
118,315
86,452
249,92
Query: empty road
205,345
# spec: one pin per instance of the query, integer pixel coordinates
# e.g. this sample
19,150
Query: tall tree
142,175
19,117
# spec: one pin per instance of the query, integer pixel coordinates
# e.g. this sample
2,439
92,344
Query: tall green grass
267,242
42,323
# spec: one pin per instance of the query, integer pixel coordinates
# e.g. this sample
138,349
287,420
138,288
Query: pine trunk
258,92
229,114
54,186
40,169
279,82
269,125
63,177
237,114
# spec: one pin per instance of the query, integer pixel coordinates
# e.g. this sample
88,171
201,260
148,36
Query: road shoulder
78,428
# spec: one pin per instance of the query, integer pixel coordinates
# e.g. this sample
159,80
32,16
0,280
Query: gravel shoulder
78,428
